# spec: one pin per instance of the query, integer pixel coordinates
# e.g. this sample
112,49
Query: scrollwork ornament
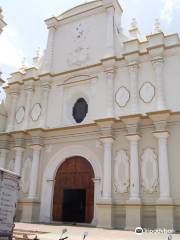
36,111
147,92
121,172
149,170
20,114
26,172
122,96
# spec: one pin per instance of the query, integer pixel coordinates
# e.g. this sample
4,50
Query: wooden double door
73,199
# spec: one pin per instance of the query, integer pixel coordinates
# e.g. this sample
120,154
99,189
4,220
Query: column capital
161,134
160,119
14,88
109,74
133,137
133,66
36,147
105,140
29,85
96,180
19,149
4,141
19,138
157,61
105,127
131,122
45,86
4,150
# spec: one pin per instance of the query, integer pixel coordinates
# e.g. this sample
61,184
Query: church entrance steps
20,234
53,232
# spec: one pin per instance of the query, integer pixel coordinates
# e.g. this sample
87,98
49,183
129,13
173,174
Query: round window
80,110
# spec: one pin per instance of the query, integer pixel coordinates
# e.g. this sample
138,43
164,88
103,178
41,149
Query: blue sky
26,30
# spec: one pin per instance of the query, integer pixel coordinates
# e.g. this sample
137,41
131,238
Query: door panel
75,173
74,204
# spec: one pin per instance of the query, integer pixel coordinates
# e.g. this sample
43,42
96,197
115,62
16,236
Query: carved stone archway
50,173
73,199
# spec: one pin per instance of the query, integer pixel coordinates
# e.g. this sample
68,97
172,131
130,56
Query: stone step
21,234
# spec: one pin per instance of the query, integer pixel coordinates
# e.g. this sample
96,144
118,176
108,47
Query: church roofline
72,10
85,7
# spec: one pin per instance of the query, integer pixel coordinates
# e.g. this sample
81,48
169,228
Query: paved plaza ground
53,232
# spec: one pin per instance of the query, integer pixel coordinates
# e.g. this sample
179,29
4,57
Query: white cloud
168,8
10,55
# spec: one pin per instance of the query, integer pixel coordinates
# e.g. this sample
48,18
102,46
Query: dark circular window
80,110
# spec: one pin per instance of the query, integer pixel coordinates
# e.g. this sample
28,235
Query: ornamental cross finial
36,59
23,65
134,30
157,26
134,23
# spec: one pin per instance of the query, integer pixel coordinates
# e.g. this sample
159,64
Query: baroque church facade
93,127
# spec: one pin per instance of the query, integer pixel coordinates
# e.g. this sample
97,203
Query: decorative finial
36,59
1,13
2,92
134,23
134,30
23,65
157,26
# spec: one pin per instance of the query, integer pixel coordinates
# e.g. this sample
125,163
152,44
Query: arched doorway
73,199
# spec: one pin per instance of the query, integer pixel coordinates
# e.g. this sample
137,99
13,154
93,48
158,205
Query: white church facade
93,127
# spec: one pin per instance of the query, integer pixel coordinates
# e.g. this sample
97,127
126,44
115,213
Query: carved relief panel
20,114
147,92
121,172
122,96
26,172
36,111
80,53
149,170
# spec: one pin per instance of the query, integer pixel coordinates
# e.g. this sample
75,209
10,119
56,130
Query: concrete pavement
53,232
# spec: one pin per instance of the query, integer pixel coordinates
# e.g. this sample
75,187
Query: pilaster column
18,159
29,94
160,120
134,167
44,104
3,155
110,93
12,111
107,144
164,206
133,73
164,184
34,171
133,207
158,64
96,198
110,33
51,25
61,96
104,205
